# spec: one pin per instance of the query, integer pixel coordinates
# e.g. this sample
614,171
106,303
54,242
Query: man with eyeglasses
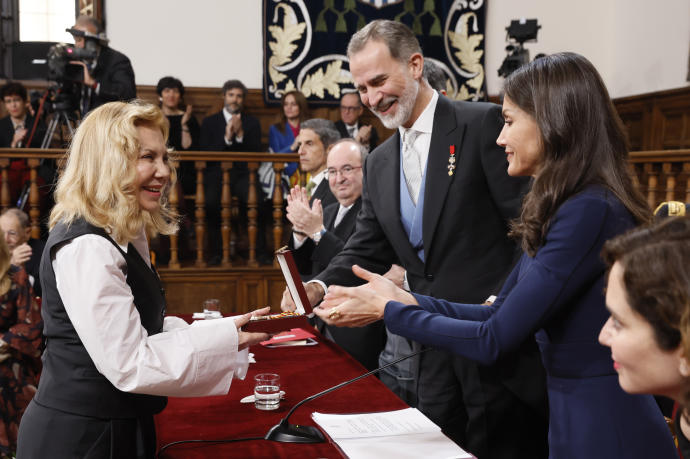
319,236
24,250
349,126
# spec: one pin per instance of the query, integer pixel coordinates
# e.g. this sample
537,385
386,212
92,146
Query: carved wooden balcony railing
200,159
661,176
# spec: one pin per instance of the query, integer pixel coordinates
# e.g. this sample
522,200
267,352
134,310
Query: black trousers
48,433
475,409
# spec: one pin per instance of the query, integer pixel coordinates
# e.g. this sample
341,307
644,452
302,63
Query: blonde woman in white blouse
111,357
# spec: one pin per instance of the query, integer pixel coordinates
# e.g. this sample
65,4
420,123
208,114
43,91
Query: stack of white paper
401,434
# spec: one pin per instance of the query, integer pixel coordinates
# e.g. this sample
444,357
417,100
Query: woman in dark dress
20,343
184,128
648,295
562,129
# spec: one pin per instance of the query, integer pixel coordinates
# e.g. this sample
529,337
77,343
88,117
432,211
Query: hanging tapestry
305,43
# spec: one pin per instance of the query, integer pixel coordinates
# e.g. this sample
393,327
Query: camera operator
108,77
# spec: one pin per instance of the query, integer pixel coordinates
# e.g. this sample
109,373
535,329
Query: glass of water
267,391
212,307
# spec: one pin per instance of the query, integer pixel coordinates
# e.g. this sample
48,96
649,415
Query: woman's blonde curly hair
98,183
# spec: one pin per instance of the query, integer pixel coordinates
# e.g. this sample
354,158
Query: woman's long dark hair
303,109
582,136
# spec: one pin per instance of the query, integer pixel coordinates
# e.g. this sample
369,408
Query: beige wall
637,45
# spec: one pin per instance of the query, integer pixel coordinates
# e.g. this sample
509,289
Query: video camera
59,57
518,32
60,54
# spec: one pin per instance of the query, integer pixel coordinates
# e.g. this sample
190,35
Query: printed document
404,433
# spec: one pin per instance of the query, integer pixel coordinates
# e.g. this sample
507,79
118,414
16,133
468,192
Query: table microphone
285,432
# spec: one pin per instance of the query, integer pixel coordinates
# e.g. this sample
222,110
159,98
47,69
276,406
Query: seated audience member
108,77
184,128
562,129
282,138
24,250
319,234
648,296
435,76
315,138
17,131
351,109
228,130
20,343
111,357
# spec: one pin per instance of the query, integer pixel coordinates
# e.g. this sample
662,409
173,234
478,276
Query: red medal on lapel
451,160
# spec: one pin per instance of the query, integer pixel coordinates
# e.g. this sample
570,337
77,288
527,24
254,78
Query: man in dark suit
437,200
110,76
24,250
349,126
229,130
319,236
315,138
16,131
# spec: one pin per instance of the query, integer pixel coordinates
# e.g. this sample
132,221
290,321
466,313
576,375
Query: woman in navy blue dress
562,129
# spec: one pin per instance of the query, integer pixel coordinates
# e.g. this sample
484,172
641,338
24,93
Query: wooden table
304,371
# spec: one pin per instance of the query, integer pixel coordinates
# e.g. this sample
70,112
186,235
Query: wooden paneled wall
657,121
206,101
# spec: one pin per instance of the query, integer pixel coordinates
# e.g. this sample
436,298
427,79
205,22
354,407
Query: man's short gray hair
362,149
325,129
399,39
434,75
19,214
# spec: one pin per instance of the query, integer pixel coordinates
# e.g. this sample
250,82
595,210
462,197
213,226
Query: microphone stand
285,432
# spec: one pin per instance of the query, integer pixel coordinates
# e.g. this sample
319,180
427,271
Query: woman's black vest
70,381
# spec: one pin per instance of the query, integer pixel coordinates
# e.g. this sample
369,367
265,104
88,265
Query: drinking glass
267,391
211,305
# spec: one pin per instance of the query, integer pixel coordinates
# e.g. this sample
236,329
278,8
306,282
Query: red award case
276,323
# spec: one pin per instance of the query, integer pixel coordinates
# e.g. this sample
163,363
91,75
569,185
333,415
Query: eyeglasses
349,109
345,171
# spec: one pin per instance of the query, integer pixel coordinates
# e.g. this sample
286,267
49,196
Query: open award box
276,323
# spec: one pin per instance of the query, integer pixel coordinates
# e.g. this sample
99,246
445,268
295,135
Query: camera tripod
60,119
61,107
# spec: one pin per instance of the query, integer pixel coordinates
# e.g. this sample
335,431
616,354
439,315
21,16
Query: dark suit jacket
33,264
324,193
314,258
213,134
115,75
7,132
363,343
213,139
373,140
18,173
465,224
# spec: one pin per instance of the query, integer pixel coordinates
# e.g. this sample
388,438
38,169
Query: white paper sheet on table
402,434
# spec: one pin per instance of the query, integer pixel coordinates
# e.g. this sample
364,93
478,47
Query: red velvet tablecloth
304,371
